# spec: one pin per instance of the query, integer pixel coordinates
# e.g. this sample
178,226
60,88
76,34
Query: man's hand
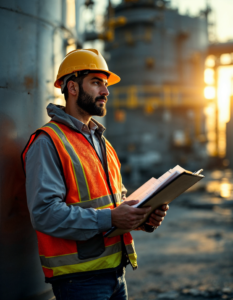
158,215
127,217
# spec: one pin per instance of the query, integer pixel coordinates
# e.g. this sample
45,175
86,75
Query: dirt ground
190,256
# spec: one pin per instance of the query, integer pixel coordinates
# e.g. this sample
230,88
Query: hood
57,113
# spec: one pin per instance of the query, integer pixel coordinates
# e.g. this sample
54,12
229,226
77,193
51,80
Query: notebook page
143,190
170,175
161,182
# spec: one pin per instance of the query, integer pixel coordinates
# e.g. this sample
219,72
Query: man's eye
96,82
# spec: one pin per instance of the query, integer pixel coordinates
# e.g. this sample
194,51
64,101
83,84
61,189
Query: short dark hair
79,81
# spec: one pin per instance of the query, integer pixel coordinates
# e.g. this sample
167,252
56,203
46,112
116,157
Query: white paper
153,185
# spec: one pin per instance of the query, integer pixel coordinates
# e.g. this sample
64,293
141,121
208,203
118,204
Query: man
74,188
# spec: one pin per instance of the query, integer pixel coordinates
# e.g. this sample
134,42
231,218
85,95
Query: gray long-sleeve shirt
46,190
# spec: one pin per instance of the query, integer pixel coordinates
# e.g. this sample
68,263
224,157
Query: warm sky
223,13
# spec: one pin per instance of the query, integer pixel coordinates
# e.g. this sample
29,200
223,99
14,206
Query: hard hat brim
112,79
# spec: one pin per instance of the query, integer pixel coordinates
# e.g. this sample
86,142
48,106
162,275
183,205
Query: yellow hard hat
84,59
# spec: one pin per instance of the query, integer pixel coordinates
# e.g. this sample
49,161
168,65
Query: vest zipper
93,146
102,143
104,160
90,144
124,251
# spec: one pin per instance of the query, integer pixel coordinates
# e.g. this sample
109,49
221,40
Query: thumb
130,202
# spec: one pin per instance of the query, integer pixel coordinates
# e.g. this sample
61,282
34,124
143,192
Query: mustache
101,98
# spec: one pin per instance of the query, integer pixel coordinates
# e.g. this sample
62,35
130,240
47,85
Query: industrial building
155,116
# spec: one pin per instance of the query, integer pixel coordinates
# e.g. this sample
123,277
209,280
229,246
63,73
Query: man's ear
73,88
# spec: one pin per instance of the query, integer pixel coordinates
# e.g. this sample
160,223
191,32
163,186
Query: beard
89,104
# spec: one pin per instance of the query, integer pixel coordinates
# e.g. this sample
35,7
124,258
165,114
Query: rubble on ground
190,256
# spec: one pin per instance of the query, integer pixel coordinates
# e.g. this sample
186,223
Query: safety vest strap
81,182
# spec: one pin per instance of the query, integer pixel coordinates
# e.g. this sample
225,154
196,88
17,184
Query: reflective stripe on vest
87,187
101,263
98,203
72,259
82,186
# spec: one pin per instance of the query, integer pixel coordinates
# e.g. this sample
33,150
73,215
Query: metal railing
157,96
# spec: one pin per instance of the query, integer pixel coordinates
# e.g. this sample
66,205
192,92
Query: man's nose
104,91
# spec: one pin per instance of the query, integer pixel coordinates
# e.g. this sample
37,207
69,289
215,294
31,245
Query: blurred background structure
34,38
171,107
172,103
158,107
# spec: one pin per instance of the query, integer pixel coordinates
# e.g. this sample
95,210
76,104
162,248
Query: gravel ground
190,255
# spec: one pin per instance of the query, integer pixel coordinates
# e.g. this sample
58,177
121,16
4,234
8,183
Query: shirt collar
93,125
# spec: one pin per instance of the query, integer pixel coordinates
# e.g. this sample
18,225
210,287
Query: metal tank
35,35
155,116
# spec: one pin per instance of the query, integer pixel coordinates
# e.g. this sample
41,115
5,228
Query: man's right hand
127,217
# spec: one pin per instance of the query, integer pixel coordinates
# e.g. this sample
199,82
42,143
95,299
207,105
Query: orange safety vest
88,187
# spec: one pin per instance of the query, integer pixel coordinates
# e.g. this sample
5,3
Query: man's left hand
158,215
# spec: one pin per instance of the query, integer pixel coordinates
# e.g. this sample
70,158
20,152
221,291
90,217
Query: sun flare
209,92
222,96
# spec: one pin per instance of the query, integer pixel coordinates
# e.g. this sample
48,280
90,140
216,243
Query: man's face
93,94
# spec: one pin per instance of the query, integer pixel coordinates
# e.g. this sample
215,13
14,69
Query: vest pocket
91,248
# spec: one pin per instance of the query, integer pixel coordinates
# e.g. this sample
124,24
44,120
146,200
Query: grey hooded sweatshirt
46,189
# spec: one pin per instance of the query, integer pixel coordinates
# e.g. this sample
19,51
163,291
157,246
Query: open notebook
156,192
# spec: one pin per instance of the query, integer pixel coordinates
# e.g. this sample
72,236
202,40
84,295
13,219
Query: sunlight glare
210,125
210,61
225,59
209,76
224,92
209,92
70,14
